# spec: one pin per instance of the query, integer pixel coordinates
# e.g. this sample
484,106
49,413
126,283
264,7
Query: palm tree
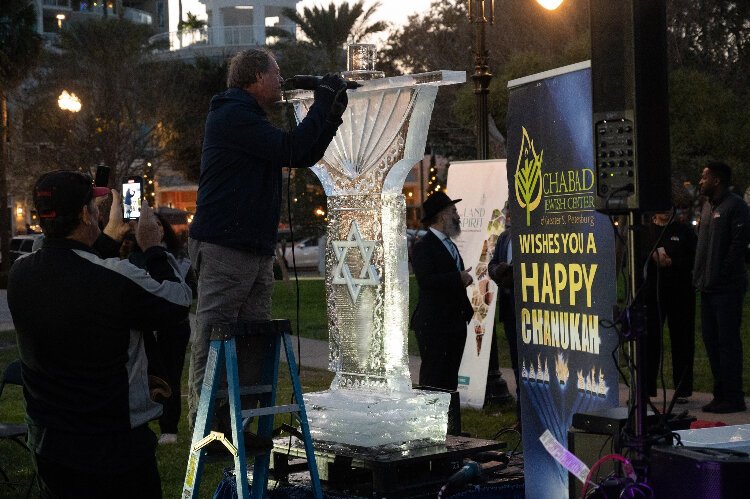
20,46
192,23
329,29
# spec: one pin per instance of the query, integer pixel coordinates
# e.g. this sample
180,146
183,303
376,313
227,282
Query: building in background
223,27
53,14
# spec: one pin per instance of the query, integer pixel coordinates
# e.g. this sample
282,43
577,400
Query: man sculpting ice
233,235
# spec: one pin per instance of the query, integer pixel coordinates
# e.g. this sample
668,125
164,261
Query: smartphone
102,176
132,197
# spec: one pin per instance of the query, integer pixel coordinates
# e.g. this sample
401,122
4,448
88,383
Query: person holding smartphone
166,347
82,358
234,231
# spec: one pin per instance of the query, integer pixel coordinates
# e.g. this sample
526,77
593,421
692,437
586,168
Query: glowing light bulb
69,102
550,4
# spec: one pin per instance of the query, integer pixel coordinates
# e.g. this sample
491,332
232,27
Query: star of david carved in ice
342,274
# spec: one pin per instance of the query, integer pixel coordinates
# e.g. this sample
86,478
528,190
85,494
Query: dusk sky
393,11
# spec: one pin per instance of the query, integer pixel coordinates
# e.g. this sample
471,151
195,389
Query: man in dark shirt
719,275
234,231
78,319
500,270
670,296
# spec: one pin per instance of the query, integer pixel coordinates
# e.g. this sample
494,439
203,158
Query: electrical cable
294,264
509,430
609,457
601,449
631,326
659,314
646,260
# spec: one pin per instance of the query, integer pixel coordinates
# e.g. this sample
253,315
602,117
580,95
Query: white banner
483,188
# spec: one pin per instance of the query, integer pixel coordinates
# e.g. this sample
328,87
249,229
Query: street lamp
550,4
479,15
482,12
69,102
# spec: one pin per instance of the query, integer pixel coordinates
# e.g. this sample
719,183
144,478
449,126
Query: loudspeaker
589,447
698,473
630,105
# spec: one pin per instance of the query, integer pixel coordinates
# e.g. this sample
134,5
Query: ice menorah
384,131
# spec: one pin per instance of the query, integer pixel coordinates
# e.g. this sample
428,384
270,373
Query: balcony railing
211,37
136,16
56,3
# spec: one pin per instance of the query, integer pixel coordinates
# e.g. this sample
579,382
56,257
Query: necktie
454,252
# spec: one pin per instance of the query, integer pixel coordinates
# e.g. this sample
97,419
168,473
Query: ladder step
245,390
267,411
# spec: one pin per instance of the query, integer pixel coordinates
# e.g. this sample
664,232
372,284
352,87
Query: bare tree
19,48
127,100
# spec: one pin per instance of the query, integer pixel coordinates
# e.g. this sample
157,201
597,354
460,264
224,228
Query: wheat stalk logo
527,177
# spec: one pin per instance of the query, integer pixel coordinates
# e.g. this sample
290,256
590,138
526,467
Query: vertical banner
483,188
563,266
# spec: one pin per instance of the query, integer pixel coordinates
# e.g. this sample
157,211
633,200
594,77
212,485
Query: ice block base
372,418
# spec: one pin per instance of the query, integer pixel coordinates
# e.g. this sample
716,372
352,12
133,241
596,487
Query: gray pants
232,285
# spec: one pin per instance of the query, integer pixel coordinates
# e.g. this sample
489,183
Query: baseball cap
64,192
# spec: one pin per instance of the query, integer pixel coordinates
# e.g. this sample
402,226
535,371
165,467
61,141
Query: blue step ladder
223,352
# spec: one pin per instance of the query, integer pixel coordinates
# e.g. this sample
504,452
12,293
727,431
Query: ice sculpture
370,402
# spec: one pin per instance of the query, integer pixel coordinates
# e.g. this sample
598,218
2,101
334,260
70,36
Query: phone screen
132,194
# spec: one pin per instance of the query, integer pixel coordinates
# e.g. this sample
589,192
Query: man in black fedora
443,309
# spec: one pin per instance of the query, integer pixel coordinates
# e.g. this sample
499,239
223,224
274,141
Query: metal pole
638,394
481,76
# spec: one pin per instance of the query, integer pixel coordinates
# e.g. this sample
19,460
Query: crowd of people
106,356
711,263
81,315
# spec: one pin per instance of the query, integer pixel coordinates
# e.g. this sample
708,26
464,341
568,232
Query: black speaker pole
630,114
637,333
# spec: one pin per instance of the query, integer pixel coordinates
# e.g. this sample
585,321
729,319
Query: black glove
339,105
330,85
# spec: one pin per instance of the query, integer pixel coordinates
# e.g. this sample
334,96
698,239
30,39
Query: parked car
412,235
21,245
306,253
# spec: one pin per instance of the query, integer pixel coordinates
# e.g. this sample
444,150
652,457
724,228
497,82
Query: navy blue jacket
239,194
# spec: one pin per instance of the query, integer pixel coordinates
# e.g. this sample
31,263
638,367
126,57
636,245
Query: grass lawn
310,317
